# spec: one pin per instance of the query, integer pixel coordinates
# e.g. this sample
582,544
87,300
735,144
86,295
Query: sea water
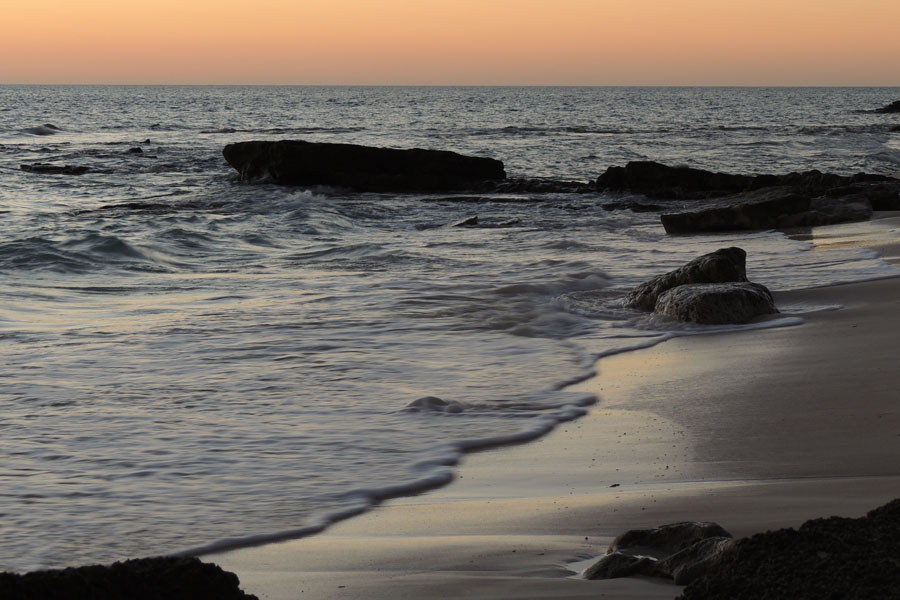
189,362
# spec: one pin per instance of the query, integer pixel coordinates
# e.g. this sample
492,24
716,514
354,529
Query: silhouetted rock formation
362,168
851,559
139,579
744,202
722,266
893,107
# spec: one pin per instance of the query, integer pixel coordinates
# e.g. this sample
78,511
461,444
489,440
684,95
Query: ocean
192,363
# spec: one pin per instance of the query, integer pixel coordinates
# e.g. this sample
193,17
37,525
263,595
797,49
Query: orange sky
503,42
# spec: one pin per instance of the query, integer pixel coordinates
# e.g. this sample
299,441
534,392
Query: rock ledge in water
741,202
361,168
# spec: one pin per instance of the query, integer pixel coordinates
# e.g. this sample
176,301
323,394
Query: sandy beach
755,430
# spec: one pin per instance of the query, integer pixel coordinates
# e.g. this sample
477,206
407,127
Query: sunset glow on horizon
460,42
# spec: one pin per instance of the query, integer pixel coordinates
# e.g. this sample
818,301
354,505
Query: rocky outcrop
711,289
716,303
893,107
361,168
744,202
722,266
138,579
851,559
656,180
48,169
679,551
761,209
895,128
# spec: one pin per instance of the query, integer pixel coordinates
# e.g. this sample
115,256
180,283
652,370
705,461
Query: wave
80,255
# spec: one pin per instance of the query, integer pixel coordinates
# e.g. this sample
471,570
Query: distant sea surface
186,361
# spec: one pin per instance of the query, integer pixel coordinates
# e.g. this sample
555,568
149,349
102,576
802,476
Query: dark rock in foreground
893,107
722,266
850,559
47,169
361,168
895,128
742,202
165,578
716,303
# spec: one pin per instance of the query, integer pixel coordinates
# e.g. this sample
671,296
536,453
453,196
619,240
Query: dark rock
893,107
47,169
760,209
828,211
617,564
135,150
633,206
716,303
656,180
138,579
666,540
220,130
469,222
895,128
694,561
722,266
363,168
850,559
746,201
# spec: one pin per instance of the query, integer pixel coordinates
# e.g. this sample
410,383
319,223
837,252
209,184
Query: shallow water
188,360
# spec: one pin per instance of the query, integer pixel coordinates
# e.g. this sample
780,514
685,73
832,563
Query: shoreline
683,431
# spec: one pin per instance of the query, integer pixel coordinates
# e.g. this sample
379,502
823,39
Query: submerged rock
48,169
362,168
722,266
137,579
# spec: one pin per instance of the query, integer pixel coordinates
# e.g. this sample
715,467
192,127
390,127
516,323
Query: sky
451,42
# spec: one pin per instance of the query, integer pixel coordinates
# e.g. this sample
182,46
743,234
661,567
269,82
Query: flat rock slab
361,168
761,209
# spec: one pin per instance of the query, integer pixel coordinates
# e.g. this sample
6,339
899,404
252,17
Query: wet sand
755,430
